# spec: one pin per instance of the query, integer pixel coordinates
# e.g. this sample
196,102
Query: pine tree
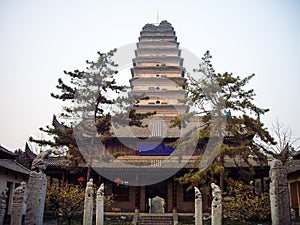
85,95
229,114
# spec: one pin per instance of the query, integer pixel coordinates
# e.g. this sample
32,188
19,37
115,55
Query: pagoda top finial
162,24
165,23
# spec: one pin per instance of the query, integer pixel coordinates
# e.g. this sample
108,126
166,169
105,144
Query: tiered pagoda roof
157,70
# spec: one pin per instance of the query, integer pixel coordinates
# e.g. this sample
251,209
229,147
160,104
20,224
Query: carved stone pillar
216,205
279,194
18,204
100,206
198,207
88,204
3,197
36,195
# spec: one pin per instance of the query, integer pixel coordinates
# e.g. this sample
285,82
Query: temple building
12,173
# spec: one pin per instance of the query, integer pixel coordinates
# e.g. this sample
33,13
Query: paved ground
54,223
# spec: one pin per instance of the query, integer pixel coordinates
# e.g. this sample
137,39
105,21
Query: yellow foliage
241,204
69,201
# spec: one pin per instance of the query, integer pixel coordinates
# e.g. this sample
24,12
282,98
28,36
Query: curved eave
155,92
156,70
181,79
5,153
170,32
159,53
164,39
158,44
156,59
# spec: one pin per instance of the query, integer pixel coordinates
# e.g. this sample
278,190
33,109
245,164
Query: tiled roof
157,59
145,132
11,164
57,162
52,162
294,167
166,162
4,153
164,129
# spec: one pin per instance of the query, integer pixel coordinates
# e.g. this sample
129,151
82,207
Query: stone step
155,220
155,223
147,221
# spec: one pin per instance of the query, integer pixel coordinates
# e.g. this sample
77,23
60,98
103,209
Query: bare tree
284,137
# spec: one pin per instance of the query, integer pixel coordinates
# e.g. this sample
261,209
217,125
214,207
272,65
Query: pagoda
158,71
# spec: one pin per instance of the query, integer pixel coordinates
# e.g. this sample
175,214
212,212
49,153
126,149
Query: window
120,192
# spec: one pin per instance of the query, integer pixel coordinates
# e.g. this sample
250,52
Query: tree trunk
88,173
222,173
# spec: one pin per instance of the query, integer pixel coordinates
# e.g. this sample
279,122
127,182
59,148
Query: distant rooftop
11,164
6,154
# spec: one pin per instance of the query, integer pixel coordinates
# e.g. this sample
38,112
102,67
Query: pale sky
41,39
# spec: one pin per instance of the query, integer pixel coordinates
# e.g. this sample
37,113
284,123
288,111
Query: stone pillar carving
36,187
18,204
3,197
216,205
36,195
279,194
88,204
198,207
100,206
158,204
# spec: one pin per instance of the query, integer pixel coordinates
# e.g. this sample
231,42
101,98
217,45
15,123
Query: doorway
160,190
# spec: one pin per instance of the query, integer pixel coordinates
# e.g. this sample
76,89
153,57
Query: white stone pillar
279,194
88,204
198,207
3,197
100,206
18,205
36,195
216,205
